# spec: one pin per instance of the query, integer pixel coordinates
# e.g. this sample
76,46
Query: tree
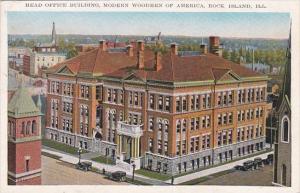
68,48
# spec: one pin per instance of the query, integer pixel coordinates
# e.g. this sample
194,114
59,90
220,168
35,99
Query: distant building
258,67
43,56
282,156
24,139
173,112
15,56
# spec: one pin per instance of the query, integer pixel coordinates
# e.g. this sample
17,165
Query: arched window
28,127
285,129
23,128
33,127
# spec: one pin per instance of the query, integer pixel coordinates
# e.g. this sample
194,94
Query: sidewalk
214,170
110,168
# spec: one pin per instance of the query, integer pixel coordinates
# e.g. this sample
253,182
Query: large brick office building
173,111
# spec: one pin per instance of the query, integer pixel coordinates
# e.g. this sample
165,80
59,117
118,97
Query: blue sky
249,25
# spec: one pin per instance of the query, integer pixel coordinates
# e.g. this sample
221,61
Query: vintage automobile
118,176
248,165
269,159
85,165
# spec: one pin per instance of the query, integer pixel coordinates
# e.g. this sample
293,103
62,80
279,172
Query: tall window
151,124
151,101
160,102
27,165
167,107
115,91
184,104
150,144
130,98
285,127
136,98
109,95
33,127
98,92
177,104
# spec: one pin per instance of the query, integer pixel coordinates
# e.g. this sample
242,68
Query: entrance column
138,147
132,147
120,143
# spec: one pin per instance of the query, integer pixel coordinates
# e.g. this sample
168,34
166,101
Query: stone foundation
201,159
104,148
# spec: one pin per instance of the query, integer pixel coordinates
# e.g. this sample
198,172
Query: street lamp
133,166
79,153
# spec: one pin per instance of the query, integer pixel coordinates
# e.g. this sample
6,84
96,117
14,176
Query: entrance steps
124,165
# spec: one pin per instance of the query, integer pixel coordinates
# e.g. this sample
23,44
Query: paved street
55,172
261,177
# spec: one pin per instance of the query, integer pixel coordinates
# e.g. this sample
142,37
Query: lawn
136,182
152,174
61,147
103,159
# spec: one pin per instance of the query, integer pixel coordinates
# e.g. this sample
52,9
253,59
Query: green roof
22,105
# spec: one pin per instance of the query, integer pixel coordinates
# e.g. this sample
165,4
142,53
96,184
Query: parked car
258,162
118,176
239,167
248,165
269,159
85,165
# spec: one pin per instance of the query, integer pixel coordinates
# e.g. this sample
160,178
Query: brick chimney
157,61
174,48
140,60
214,41
214,46
102,45
140,45
203,48
140,54
129,49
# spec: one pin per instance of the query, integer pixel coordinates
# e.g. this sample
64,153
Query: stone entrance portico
128,143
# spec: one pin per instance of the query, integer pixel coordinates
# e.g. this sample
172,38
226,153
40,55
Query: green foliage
153,174
158,48
69,48
22,43
273,57
102,159
61,146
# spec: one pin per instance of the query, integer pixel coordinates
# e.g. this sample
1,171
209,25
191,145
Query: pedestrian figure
172,180
103,170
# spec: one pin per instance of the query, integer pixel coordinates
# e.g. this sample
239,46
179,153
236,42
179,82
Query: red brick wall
19,126
11,157
26,65
32,149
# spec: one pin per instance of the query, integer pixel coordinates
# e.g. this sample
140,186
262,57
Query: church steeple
53,37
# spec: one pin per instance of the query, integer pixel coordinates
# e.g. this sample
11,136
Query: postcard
151,96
